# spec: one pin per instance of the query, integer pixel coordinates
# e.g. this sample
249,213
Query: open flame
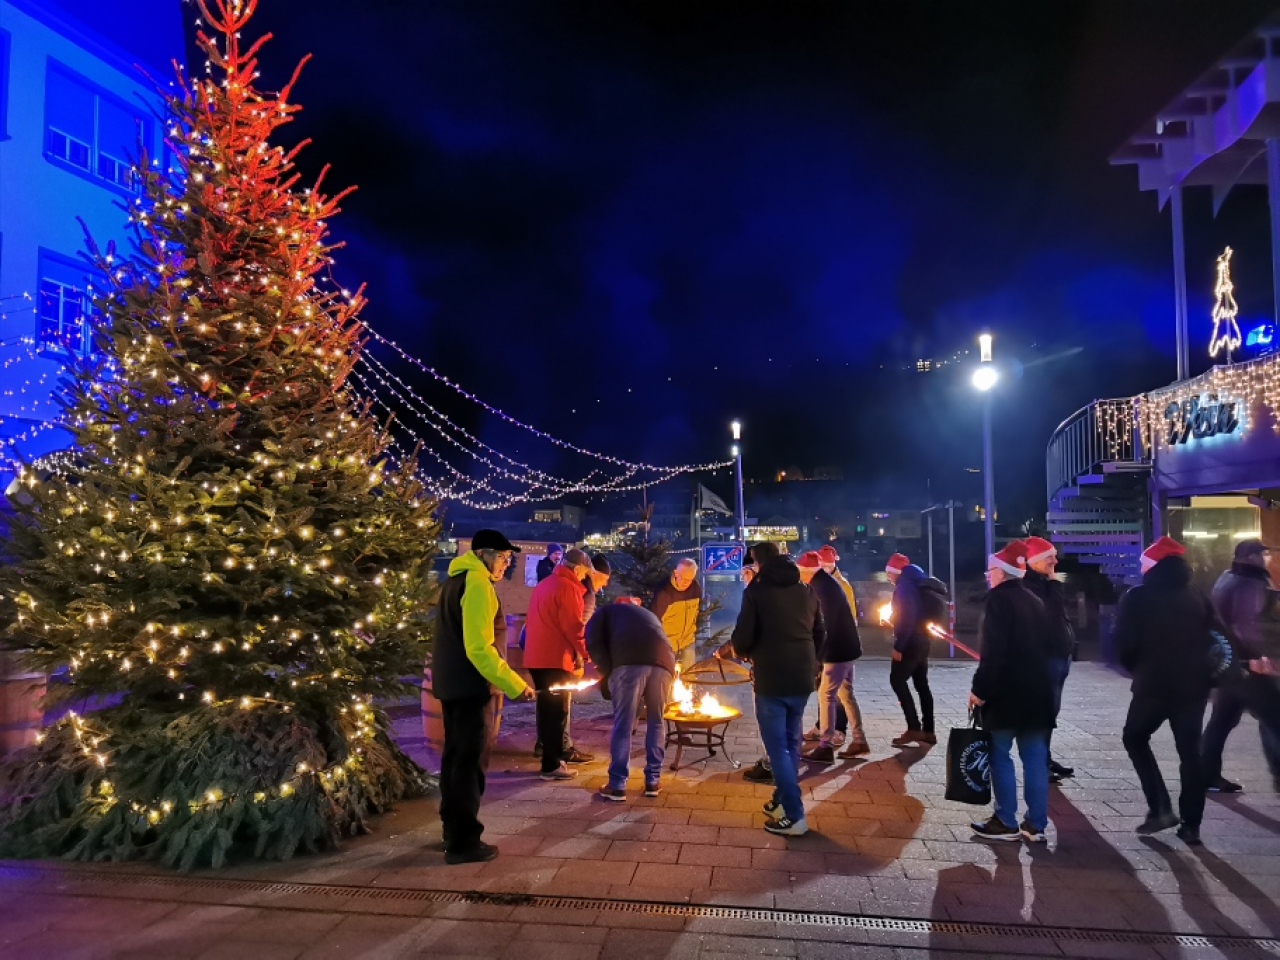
886,615
573,687
708,706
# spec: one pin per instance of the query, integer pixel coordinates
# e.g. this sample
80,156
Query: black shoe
823,753
537,749
995,829
617,796
480,853
1156,822
1189,835
1223,785
1058,770
758,774
1055,777
577,756
653,789
773,809
1031,834
927,737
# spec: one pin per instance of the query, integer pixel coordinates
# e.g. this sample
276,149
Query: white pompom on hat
1011,558
897,563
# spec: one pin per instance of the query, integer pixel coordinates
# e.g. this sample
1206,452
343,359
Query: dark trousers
913,667
552,714
1059,667
1258,695
1146,715
468,741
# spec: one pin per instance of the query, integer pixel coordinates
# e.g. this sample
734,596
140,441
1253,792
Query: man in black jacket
1241,597
910,652
1163,637
837,655
1014,687
1042,560
636,663
779,628
550,561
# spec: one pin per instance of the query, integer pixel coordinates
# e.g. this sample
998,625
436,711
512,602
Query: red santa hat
828,554
897,563
809,559
1161,549
1038,549
1011,558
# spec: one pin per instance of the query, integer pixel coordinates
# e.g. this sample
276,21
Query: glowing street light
736,429
984,379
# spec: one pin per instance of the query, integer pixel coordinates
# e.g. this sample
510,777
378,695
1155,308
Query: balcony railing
1104,432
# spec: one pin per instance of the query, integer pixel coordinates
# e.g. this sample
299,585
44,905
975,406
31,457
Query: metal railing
1105,431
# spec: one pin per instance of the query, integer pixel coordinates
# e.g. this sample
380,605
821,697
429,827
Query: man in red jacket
555,652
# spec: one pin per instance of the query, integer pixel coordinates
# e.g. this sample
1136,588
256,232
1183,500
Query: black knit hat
601,564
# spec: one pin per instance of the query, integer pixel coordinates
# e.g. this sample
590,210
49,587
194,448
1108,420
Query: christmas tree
226,559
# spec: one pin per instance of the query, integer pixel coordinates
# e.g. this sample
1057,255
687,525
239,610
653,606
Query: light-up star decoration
1226,332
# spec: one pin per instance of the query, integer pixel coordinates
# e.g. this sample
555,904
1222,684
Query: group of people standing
1175,641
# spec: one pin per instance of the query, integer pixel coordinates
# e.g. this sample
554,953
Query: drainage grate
118,883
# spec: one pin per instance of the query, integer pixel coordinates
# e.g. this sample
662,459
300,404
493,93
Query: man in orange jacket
555,652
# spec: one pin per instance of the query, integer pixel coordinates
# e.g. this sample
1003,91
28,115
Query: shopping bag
969,764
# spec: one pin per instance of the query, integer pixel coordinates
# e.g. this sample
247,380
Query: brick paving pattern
884,844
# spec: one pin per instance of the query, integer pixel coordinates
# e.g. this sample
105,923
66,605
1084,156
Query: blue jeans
781,721
628,688
1033,750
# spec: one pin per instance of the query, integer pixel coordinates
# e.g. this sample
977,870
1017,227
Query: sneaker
995,829
575,755
786,827
559,773
1156,822
820,754
1058,770
1055,777
760,773
480,853
617,796
1031,834
812,736
1189,835
907,739
858,748
927,737
1223,785
653,789
773,809
837,739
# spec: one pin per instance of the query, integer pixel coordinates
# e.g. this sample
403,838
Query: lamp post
736,428
984,379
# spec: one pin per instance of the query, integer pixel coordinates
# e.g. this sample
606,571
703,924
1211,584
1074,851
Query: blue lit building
74,107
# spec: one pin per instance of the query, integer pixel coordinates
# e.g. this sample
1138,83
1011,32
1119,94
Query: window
63,306
90,129
4,84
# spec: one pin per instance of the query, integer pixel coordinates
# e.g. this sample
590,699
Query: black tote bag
969,763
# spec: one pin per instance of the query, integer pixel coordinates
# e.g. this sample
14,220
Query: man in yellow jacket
470,674
676,603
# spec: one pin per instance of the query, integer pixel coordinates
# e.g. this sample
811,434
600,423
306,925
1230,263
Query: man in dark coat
910,652
469,675
1163,636
550,561
779,628
837,655
627,644
1014,688
1241,598
1042,560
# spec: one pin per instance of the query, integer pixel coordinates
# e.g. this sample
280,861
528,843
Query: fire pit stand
701,733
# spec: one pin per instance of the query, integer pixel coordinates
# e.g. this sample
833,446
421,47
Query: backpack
934,607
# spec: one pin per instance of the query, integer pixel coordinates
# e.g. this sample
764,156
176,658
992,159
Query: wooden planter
20,712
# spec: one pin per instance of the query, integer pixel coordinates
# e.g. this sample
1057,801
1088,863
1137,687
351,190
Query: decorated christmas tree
226,563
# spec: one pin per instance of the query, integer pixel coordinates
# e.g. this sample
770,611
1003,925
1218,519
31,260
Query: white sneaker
560,773
786,827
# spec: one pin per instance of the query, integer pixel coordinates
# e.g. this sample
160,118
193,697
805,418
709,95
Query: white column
1180,280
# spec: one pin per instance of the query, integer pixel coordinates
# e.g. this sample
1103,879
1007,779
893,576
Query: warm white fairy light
1226,332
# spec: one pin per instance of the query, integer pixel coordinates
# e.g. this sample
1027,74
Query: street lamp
984,379
736,429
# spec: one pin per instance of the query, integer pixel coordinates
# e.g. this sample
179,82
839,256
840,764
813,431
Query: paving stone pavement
884,844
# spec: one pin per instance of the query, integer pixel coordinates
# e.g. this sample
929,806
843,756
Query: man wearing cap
910,652
1163,637
840,648
677,603
637,666
1042,561
1241,598
555,654
1014,687
469,674
549,562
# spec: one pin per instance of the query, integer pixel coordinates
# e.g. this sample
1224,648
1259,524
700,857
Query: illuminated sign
1200,417
1260,336
775,534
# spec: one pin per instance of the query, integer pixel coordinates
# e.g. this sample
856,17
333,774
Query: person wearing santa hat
840,648
1042,560
1014,688
1163,637
829,558
910,652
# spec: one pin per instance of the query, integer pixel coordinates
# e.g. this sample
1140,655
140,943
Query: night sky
630,222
